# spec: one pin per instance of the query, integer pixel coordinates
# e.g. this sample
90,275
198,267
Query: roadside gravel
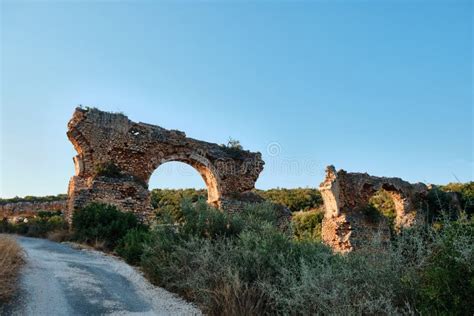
61,280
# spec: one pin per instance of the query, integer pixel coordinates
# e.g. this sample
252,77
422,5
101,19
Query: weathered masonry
116,157
346,224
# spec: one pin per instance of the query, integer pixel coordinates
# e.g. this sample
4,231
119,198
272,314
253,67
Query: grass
11,260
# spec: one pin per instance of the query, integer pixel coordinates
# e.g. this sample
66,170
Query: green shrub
20,228
221,260
438,204
5,226
466,191
130,247
307,225
36,227
447,282
167,202
48,214
41,226
258,269
102,222
300,199
383,203
202,221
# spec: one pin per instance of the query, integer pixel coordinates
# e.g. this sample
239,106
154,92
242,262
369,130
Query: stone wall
347,225
117,156
30,208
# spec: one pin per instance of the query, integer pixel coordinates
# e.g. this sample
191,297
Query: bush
466,191
5,226
382,202
257,269
101,222
301,199
201,221
438,204
167,202
447,282
48,214
130,247
36,227
307,225
41,226
219,260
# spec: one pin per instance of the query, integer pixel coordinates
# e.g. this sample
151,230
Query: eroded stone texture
30,208
109,141
347,225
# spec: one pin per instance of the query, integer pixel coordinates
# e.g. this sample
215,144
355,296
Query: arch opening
384,203
176,179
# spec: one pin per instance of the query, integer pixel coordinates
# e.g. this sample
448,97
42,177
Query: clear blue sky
384,87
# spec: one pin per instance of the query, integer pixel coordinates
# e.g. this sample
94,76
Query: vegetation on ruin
233,148
111,170
87,108
108,169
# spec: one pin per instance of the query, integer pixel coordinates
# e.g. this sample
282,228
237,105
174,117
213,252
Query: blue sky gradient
383,87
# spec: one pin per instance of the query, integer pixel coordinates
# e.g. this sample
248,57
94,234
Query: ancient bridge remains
346,225
116,157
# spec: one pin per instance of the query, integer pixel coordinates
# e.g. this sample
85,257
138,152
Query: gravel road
61,280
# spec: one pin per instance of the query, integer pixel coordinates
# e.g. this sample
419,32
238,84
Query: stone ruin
346,225
116,157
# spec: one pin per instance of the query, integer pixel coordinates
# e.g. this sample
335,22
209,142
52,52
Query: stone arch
116,158
346,195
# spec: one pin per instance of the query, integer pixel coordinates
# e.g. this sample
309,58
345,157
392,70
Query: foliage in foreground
242,264
101,222
131,246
